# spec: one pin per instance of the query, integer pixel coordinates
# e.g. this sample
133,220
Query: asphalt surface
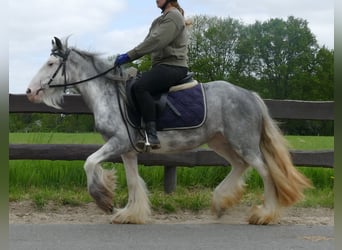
175,237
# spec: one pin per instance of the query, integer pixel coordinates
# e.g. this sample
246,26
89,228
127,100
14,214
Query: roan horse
238,128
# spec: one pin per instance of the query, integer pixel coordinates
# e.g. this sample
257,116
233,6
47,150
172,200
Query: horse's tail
288,181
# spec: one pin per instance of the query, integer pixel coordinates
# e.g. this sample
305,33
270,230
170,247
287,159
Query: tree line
279,59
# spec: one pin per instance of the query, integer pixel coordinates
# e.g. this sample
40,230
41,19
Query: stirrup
147,146
144,145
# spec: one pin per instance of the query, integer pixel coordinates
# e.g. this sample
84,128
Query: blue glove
122,59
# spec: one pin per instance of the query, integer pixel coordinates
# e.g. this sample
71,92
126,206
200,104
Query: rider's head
163,4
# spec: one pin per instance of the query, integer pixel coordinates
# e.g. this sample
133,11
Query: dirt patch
24,212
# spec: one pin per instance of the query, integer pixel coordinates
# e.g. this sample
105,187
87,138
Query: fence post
170,179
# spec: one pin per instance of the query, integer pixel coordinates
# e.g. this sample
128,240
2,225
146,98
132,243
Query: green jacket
166,41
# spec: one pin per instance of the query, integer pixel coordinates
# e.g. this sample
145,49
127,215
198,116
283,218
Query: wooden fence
73,104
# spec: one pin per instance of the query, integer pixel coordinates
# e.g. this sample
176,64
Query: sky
114,27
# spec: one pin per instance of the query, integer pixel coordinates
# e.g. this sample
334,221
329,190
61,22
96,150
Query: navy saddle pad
184,109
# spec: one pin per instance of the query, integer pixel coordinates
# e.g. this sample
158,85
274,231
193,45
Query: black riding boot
151,131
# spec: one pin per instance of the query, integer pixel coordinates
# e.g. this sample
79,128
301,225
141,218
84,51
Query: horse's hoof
218,212
262,216
123,216
107,208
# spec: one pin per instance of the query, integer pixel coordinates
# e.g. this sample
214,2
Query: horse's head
52,72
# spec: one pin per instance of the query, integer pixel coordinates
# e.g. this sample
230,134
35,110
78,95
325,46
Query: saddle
161,99
169,108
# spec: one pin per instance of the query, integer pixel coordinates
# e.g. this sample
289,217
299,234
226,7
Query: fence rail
73,104
279,109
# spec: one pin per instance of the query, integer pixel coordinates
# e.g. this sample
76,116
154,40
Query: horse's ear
58,43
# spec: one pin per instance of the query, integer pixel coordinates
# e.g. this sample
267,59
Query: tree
322,87
283,56
277,58
213,42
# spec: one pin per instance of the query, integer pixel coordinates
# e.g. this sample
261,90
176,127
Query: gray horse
238,128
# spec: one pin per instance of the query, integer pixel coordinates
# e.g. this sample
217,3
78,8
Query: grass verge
64,182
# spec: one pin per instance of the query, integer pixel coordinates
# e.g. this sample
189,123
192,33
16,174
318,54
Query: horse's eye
50,64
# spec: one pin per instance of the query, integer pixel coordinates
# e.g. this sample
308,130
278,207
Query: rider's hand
121,59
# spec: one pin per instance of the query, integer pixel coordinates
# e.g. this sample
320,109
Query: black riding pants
156,81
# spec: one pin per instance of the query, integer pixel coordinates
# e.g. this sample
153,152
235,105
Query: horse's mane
102,64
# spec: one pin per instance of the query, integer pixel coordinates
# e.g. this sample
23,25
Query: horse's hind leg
230,190
137,210
269,211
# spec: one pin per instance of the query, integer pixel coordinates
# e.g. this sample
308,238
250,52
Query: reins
82,81
64,57
124,119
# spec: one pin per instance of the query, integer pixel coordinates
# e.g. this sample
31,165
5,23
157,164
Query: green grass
297,142
311,142
57,138
64,182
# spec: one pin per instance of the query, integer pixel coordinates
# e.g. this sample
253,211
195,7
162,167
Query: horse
238,127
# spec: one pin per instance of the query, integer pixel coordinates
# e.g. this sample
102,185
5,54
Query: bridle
62,65
57,52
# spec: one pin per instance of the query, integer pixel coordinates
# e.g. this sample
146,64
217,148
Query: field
64,182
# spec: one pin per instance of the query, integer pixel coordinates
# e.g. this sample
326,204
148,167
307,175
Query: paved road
173,237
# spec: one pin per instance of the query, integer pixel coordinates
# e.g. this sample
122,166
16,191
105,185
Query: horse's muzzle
33,96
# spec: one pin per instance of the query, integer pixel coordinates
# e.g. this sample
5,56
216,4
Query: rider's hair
177,6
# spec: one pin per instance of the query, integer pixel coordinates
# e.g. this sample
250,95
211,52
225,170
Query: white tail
289,182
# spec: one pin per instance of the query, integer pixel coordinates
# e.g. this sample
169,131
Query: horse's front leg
101,182
137,210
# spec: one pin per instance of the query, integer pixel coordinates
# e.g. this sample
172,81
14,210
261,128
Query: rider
167,42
